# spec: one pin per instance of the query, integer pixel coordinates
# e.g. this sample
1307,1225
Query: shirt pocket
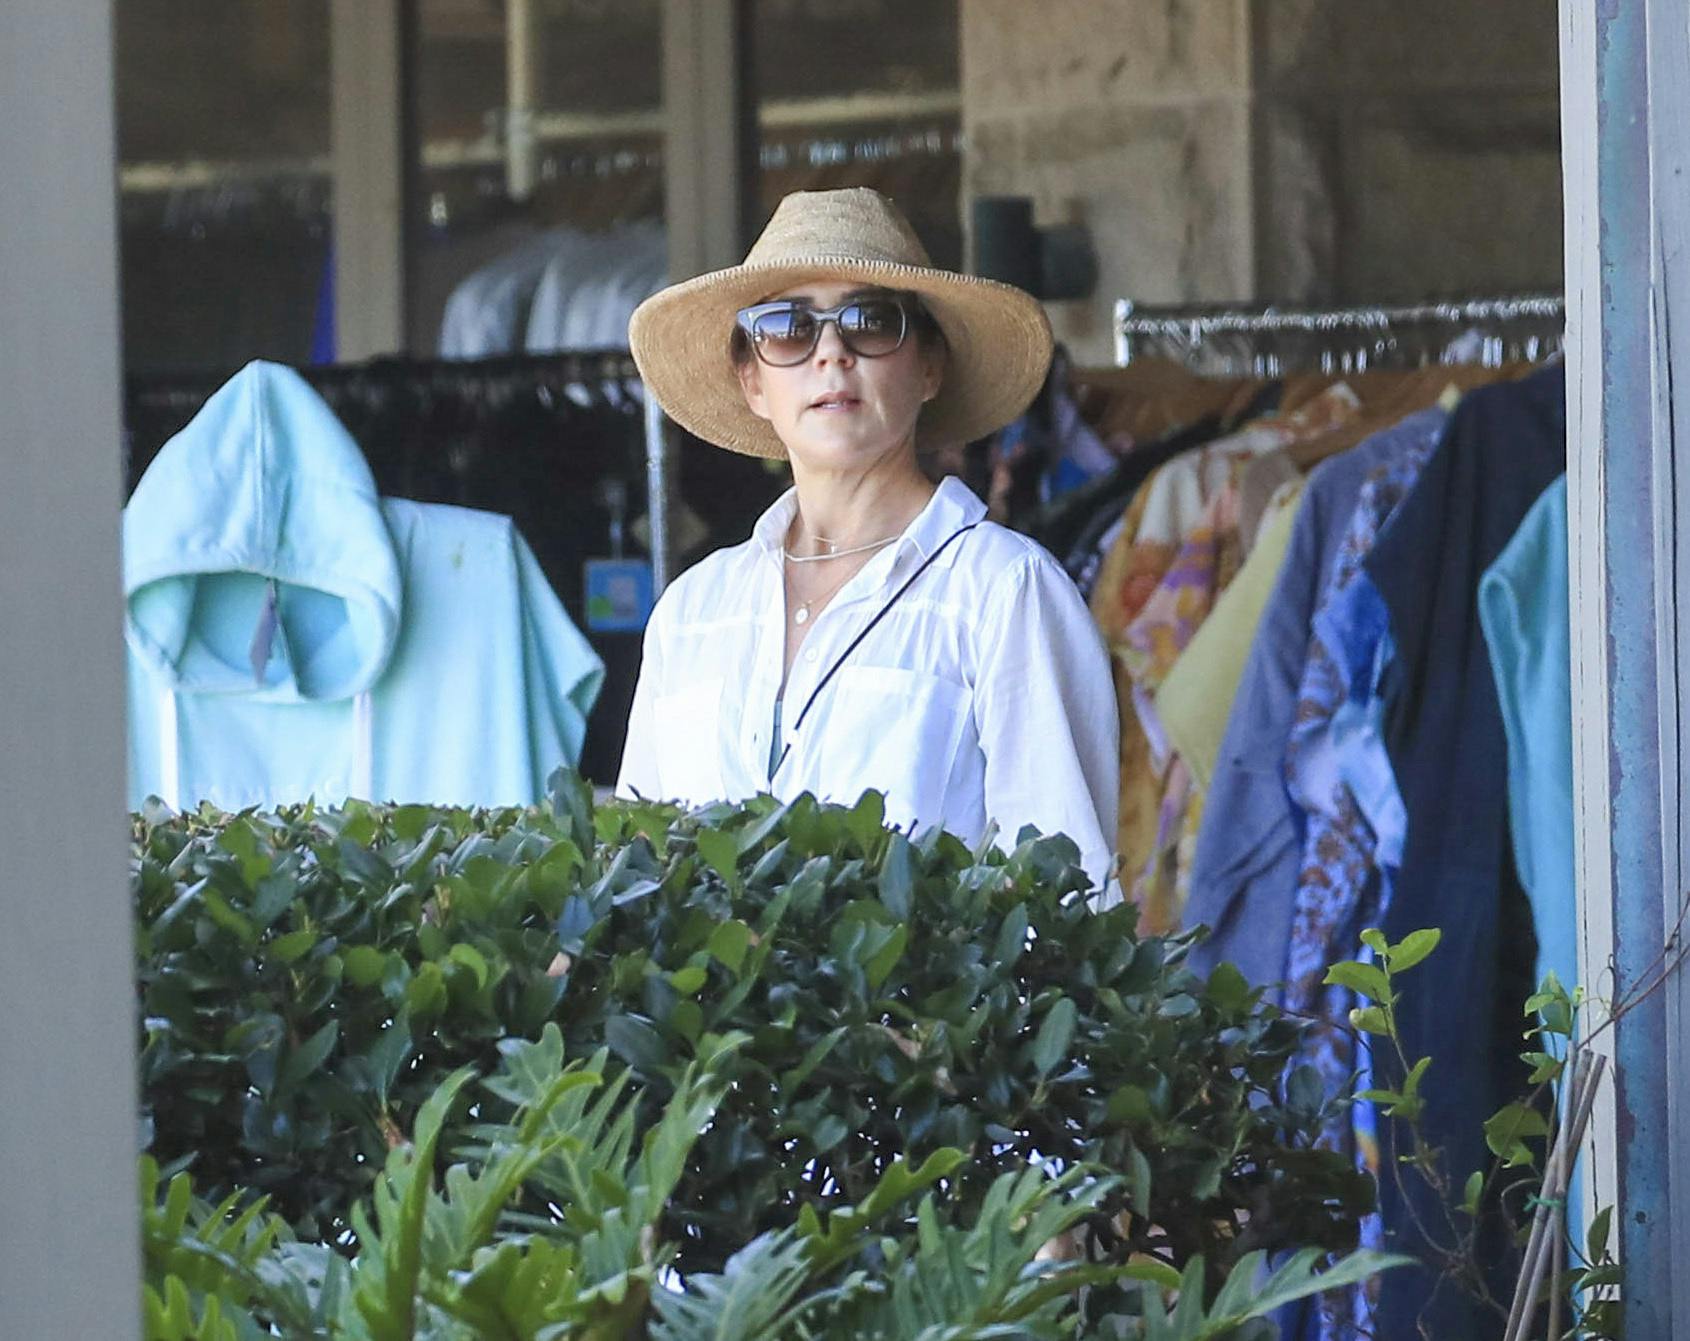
895,731
688,744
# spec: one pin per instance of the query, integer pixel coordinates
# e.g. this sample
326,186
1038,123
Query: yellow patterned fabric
1178,550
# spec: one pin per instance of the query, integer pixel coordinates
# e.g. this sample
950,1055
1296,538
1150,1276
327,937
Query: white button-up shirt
984,695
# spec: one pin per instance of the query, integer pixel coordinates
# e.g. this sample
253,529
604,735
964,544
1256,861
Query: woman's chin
842,447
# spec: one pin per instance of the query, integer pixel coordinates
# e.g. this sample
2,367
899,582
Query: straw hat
999,337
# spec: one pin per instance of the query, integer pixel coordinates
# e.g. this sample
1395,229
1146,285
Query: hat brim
998,336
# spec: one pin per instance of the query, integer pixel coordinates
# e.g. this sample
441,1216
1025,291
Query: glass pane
863,93
225,199
597,66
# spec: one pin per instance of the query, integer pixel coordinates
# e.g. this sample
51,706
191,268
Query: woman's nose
831,347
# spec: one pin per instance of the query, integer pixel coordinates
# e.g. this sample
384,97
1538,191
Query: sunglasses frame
747,317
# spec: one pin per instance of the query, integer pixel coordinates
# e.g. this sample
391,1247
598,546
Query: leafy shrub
310,978
552,1229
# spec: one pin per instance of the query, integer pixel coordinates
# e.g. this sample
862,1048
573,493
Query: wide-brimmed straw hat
999,339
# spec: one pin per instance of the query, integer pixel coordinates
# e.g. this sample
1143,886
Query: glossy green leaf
897,876
426,993
364,965
1413,948
636,1042
689,980
1508,1131
1366,979
1596,1238
721,850
729,943
1371,1020
1227,987
304,1061
885,959
293,946
1055,1035
1472,1191
472,959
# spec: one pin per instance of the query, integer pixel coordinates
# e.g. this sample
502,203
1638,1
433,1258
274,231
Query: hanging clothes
293,635
1524,607
488,312
1249,853
1340,888
1177,551
1263,480
1048,451
1444,732
1073,526
1195,698
591,288
562,289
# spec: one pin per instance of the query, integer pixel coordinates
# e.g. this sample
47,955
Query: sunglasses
785,333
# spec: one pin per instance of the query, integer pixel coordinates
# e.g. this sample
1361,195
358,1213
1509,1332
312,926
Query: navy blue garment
1443,729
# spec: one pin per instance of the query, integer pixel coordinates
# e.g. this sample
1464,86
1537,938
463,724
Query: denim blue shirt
1249,848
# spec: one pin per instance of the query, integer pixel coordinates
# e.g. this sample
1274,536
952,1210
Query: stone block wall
1288,150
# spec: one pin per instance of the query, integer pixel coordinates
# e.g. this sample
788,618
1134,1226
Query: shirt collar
953,506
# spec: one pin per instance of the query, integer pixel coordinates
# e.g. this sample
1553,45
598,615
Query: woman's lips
838,401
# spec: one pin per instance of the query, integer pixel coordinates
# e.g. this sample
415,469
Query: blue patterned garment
1339,886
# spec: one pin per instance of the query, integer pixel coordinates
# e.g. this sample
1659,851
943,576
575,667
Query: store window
225,185
883,109
594,115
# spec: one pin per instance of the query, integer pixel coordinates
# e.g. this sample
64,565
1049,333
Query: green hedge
309,978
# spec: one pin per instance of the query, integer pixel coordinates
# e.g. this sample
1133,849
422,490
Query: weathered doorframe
1625,94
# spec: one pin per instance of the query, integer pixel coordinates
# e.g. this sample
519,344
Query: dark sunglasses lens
784,336
873,327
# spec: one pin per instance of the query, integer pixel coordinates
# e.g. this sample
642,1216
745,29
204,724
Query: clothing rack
562,158
1267,341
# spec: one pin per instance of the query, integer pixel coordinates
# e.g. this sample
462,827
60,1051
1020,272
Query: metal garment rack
1266,341
660,483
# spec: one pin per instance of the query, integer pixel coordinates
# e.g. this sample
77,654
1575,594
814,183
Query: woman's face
838,411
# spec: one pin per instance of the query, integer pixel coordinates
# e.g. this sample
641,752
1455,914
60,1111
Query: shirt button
811,656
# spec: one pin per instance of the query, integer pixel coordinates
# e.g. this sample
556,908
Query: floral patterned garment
1184,552
1340,888
1207,561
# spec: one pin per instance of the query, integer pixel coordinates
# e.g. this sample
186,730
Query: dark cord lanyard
857,642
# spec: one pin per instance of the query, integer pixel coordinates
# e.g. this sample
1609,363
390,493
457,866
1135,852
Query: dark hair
928,333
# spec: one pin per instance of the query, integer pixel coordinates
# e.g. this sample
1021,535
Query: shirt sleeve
1047,716
638,774
562,674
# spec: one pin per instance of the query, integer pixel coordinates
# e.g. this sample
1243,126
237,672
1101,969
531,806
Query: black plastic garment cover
1443,729
530,437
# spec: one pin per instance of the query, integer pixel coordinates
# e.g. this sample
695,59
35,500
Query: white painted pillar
69,1260
370,147
522,98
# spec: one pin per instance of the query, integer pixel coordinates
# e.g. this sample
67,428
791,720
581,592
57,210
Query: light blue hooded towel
292,635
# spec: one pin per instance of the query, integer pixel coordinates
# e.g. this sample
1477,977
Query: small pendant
802,616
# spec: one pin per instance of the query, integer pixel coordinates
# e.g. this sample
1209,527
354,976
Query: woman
875,631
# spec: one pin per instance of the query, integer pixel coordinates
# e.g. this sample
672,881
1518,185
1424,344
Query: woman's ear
751,384
932,372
